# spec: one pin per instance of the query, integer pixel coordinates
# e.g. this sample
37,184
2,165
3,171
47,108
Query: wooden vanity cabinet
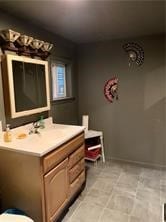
59,171
43,187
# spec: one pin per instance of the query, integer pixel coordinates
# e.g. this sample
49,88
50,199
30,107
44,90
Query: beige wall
63,49
134,126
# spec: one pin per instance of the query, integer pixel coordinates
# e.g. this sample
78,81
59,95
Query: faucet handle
36,125
30,131
34,128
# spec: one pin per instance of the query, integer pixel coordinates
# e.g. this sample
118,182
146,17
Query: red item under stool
92,153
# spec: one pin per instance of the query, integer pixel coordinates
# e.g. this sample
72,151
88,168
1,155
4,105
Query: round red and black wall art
111,89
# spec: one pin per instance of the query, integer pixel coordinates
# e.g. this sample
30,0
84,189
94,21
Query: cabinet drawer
56,156
76,170
76,156
77,183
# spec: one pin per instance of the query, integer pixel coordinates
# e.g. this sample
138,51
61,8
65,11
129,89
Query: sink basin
52,133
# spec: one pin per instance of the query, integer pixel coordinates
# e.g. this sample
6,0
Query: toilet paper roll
85,121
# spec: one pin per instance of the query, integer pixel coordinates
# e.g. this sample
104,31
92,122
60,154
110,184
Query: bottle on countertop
41,123
7,134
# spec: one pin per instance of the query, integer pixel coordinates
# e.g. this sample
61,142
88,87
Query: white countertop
51,137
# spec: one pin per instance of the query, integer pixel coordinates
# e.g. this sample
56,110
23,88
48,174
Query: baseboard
143,164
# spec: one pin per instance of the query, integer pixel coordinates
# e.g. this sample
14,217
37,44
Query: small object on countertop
41,123
7,134
21,136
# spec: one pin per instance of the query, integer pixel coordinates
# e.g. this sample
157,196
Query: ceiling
92,20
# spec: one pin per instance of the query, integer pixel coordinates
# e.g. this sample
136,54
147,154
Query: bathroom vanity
42,173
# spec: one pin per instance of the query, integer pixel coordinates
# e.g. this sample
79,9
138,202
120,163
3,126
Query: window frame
55,81
68,79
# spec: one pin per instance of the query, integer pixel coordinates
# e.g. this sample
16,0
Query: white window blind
59,81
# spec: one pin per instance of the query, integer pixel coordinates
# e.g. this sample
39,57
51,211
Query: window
59,81
62,79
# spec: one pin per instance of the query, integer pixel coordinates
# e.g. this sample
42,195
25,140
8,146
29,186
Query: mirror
28,85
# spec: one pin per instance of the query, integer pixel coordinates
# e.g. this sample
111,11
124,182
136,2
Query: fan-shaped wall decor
135,53
111,89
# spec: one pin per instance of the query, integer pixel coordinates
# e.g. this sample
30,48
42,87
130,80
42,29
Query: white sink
51,137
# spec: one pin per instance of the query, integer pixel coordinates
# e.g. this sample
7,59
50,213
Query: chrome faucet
35,128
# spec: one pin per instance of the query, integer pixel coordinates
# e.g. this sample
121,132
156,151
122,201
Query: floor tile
113,216
128,182
120,192
87,212
148,195
162,197
90,182
127,187
151,173
146,219
113,176
149,183
104,184
133,169
96,196
121,201
72,208
146,211
128,178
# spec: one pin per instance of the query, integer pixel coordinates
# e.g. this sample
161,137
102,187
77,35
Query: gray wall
134,126
63,49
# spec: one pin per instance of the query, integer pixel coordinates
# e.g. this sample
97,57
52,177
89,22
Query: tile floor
120,192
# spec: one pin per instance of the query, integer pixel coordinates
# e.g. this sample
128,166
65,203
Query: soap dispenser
7,134
41,123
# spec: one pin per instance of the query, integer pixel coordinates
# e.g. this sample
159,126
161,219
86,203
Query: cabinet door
56,190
